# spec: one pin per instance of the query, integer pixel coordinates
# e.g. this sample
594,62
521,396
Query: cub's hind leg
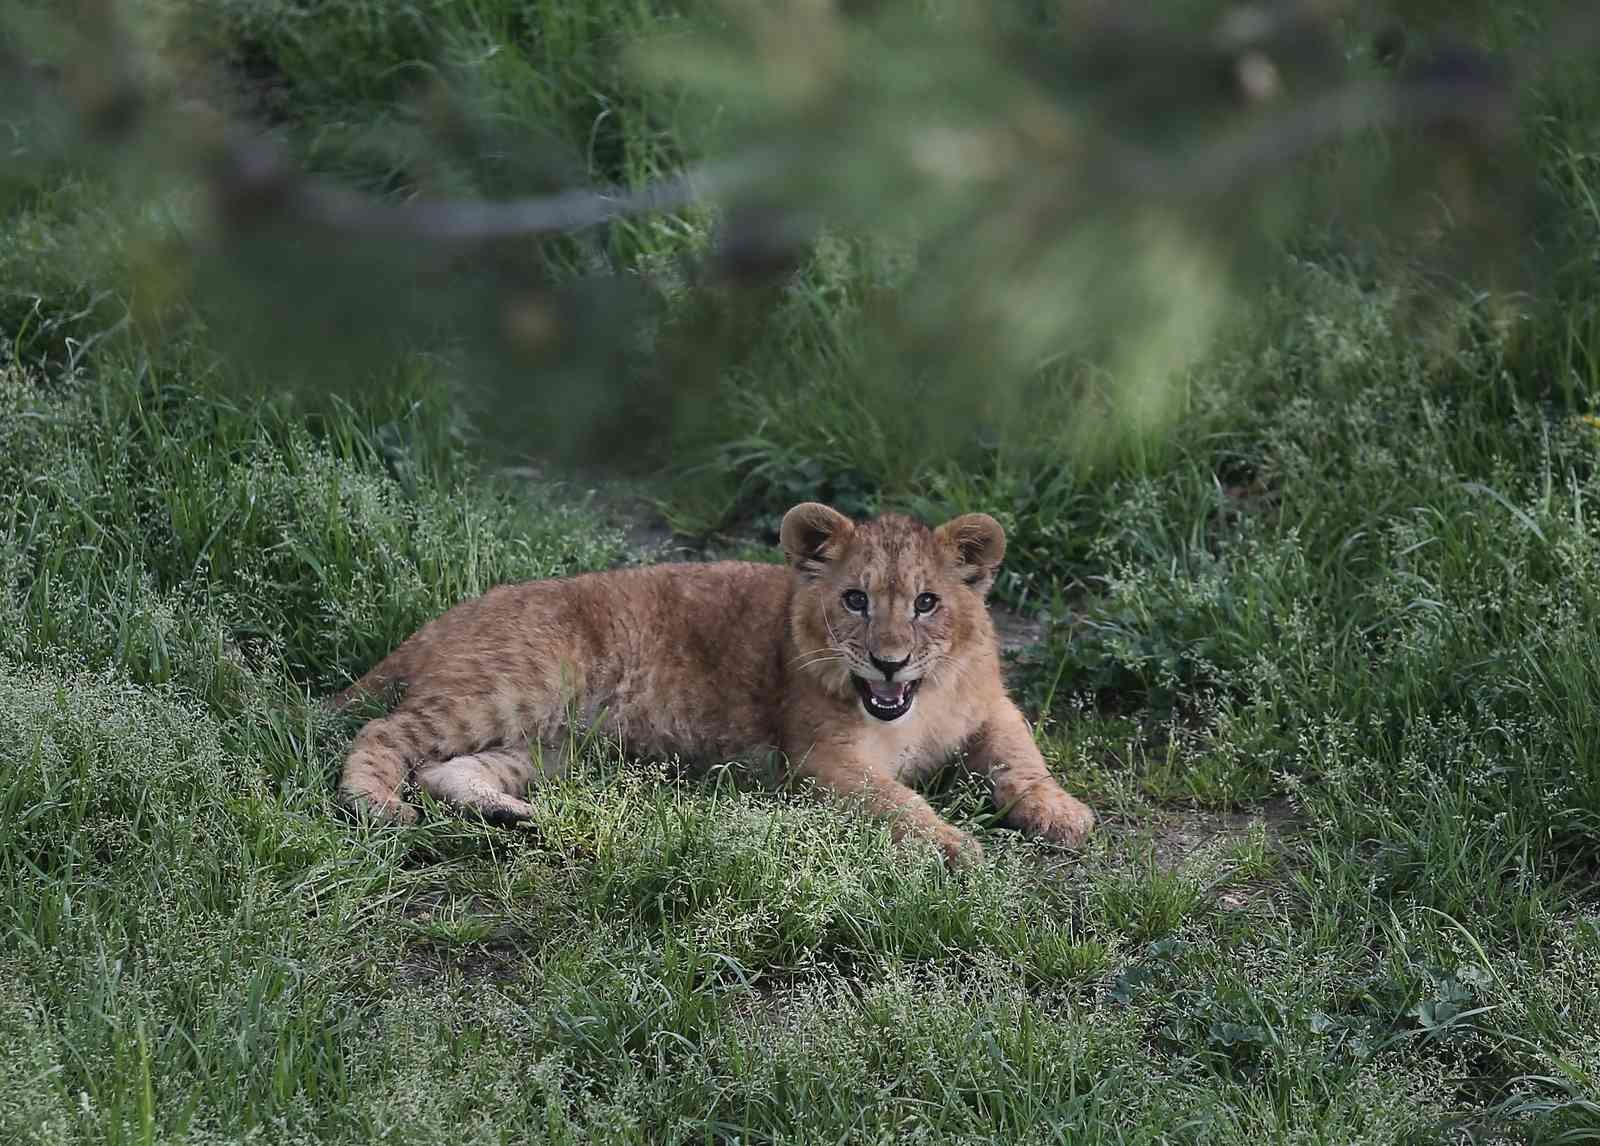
491,782
454,743
379,764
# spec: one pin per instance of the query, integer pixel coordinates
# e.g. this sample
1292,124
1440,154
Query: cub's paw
385,811
498,808
960,849
1056,818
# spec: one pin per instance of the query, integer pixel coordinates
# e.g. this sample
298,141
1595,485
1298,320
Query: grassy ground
1326,661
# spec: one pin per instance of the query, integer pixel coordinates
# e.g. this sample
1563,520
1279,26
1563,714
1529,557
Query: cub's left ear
978,543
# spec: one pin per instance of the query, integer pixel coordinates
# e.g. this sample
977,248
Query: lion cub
868,662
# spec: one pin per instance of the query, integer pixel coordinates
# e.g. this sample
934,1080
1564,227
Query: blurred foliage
1003,223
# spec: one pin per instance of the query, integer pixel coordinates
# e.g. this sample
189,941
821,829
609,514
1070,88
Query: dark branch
251,177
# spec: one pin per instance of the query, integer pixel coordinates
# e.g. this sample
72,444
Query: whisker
825,658
828,624
944,660
845,654
824,654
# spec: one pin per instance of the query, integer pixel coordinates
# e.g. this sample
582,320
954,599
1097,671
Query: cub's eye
925,603
855,600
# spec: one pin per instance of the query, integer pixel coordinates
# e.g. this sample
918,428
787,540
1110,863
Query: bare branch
1221,167
252,177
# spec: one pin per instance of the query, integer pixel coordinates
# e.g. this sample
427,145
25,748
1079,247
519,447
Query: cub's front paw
1055,817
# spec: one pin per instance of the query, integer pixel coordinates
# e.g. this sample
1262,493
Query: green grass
1323,653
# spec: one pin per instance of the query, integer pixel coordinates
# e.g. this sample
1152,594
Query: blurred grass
1344,575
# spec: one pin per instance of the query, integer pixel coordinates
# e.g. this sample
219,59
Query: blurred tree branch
248,174
1015,151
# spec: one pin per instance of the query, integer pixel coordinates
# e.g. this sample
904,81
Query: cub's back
686,659
680,659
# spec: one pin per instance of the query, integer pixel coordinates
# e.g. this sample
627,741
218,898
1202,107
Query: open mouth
887,700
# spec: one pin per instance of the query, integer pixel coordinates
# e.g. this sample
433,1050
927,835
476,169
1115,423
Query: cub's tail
381,683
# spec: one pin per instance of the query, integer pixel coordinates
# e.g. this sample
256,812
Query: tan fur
724,661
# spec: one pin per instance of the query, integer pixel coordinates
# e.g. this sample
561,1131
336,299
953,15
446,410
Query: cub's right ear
812,535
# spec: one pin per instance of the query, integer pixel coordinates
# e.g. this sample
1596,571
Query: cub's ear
812,535
978,543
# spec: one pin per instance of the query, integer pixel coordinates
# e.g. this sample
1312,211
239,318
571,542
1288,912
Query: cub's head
887,606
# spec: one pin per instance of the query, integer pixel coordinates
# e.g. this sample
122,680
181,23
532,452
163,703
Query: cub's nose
888,668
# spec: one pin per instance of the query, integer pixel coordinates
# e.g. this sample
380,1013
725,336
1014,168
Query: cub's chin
886,700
